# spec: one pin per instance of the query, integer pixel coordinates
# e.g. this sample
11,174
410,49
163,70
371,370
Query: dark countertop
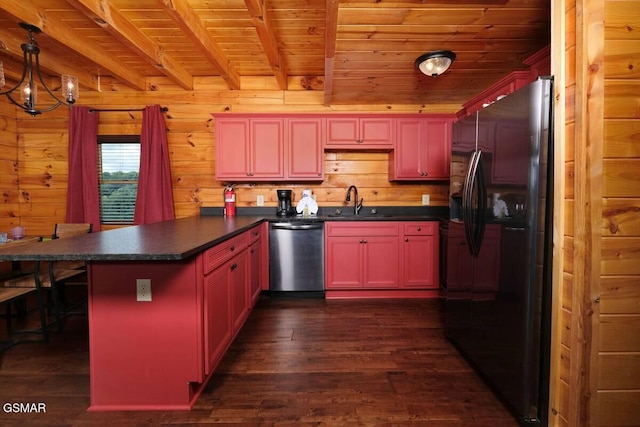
163,241
173,240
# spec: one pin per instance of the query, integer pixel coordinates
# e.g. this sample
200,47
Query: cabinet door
255,270
304,143
217,317
343,131
419,261
343,269
422,149
239,290
436,150
232,148
376,132
267,148
360,132
380,262
406,156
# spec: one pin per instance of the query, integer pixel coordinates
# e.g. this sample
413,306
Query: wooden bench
29,280
8,296
62,272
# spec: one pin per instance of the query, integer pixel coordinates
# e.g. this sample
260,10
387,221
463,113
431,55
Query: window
118,168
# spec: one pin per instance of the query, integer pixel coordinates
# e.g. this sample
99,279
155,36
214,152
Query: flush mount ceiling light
28,84
435,63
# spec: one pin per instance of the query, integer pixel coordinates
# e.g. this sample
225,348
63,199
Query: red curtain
155,199
83,200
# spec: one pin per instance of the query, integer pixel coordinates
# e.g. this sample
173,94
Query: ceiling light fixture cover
435,63
28,84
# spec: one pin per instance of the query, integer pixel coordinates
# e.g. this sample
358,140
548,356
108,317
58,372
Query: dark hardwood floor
296,362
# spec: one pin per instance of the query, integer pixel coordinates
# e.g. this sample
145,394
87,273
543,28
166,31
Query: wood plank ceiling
356,52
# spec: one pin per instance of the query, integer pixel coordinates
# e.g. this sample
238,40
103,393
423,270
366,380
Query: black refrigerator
498,273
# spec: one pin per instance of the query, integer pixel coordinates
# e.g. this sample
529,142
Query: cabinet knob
419,228
234,266
364,241
232,248
359,141
406,239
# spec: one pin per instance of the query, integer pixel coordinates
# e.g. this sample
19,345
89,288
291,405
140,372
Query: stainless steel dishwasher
296,258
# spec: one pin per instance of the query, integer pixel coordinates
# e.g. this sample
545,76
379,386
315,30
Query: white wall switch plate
143,289
260,200
425,199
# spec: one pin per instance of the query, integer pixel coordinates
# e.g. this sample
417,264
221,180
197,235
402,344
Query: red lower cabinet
420,255
217,316
382,258
363,255
159,355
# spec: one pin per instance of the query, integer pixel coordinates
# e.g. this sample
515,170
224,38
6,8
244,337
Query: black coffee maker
284,203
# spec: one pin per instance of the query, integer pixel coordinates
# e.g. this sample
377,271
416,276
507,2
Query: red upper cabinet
269,148
304,148
232,148
249,149
358,132
504,87
540,63
423,147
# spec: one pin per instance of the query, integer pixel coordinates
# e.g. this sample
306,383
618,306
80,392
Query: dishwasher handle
290,226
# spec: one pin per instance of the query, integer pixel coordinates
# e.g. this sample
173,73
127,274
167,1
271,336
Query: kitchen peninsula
159,354
204,274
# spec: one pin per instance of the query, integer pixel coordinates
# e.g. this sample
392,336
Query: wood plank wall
9,211
43,142
616,319
597,365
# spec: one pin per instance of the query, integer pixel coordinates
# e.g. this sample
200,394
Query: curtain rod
93,110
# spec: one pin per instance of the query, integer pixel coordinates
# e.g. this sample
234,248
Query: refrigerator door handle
479,224
467,204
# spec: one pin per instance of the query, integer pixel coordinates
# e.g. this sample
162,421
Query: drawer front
253,235
426,228
224,251
362,228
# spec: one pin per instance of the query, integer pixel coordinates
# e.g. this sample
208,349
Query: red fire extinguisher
229,201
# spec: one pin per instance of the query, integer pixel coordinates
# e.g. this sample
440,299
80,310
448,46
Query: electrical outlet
425,199
260,200
143,289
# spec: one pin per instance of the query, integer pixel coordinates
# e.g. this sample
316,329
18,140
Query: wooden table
7,294
12,244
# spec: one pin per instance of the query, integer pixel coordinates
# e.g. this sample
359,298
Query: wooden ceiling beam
65,35
49,64
260,19
115,23
193,27
330,37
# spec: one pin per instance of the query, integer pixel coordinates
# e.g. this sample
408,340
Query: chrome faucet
356,205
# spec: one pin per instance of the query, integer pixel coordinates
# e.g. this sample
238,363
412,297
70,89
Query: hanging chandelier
28,84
